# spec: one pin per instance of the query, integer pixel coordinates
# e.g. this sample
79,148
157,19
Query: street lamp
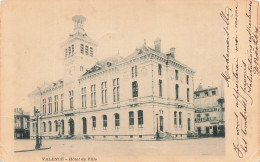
38,140
157,132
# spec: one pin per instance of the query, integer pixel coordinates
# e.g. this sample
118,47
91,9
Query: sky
34,31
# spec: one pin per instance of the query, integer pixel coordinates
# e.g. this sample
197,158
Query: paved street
115,150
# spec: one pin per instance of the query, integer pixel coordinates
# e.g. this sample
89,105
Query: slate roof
105,63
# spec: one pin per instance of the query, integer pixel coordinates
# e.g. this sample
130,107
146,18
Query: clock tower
79,51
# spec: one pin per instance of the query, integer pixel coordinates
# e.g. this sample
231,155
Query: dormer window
109,64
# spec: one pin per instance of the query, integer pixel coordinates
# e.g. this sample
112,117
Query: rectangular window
72,49
66,52
175,119
206,94
91,51
207,117
86,50
104,122
44,106
140,118
94,122
177,91
71,98
117,121
213,93
131,119
198,117
134,72
56,103
116,92
61,102
180,123
50,105
83,97
69,51
176,75
188,95
187,79
81,48
93,95
104,92
159,69
160,88
81,68
135,89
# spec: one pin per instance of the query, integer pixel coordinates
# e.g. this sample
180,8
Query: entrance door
71,126
199,130
161,123
215,130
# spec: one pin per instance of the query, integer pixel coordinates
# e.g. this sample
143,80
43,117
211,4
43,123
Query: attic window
109,64
140,51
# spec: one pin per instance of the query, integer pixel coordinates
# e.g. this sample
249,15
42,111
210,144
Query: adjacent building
116,97
21,124
209,111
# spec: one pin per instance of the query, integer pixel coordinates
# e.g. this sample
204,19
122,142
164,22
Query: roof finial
144,41
118,52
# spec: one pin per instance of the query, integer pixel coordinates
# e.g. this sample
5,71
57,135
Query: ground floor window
131,119
117,121
140,118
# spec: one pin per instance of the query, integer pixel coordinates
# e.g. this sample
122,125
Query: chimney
172,52
157,45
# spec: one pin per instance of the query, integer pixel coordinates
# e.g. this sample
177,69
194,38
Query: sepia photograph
129,80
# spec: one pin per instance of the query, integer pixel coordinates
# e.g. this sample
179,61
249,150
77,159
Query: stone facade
116,97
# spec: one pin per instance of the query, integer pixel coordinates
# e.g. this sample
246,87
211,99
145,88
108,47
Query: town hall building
115,97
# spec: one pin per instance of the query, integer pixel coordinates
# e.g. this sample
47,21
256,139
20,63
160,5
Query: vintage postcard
139,80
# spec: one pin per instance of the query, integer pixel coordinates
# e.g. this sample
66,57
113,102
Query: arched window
104,122
140,119
117,121
56,125
175,119
50,128
84,124
131,119
93,122
44,127
180,123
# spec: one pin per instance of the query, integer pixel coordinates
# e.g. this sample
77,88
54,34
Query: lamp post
38,142
157,132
